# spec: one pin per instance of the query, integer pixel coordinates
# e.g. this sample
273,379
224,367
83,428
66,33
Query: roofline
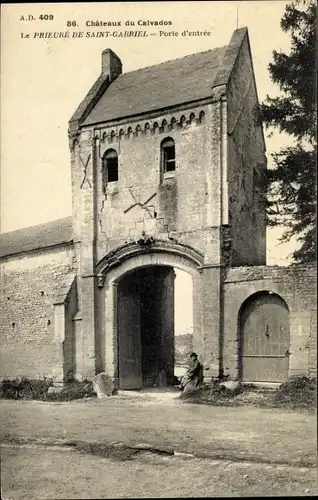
255,87
100,86
243,33
88,103
159,111
223,76
36,249
166,61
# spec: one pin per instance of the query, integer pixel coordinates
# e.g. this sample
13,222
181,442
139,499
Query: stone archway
264,338
130,265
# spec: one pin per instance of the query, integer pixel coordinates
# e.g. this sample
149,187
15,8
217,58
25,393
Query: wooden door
264,349
129,345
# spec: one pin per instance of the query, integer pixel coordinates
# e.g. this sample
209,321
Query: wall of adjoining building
296,285
31,284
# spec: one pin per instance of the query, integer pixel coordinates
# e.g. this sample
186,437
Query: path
35,473
235,433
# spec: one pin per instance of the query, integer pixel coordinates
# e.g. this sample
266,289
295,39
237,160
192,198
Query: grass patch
298,393
34,389
215,393
24,388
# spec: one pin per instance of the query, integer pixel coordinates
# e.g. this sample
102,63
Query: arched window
110,167
168,155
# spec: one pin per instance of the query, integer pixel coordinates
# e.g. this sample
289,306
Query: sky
43,81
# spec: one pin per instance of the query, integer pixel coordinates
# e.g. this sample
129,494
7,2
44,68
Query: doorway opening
154,307
183,317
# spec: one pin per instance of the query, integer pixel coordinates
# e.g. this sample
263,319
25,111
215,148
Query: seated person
194,372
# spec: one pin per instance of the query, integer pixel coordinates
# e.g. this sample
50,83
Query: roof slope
30,238
186,79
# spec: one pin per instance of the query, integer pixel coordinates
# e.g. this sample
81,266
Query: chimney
111,64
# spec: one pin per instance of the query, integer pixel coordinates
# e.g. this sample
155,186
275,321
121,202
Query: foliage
183,347
297,392
72,391
292,181
24,388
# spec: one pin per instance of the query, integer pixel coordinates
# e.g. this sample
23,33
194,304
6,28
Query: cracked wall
182,207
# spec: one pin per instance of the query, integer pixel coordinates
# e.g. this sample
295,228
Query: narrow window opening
168,156
110,167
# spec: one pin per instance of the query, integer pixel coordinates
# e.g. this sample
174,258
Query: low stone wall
296,285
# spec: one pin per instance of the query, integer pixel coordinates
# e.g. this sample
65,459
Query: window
168,155
110,167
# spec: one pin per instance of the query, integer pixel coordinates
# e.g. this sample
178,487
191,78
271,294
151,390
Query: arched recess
115,267
264,338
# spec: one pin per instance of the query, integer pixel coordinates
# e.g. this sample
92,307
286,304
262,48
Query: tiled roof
171,83
36,237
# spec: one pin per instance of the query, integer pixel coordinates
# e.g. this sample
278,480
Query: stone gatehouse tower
167,172
166,169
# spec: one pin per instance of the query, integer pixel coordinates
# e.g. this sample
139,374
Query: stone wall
185,207
31,342
246,165
296,285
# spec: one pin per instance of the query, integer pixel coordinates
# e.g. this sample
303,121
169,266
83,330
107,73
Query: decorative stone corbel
145,241
100,280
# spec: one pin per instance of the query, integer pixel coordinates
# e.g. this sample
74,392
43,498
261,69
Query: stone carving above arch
167,253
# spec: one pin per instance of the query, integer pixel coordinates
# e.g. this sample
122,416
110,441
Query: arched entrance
145,323
138,287
264,338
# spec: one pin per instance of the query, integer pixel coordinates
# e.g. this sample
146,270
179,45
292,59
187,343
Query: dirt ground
237,451
37,474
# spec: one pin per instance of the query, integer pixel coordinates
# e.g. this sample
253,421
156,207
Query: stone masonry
63,297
